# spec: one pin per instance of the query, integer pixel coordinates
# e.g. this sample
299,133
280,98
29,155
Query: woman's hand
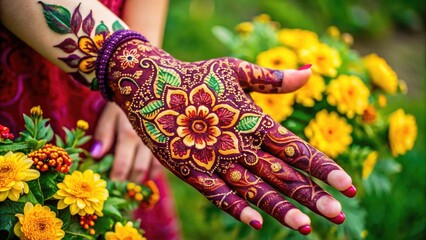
198,121
133,160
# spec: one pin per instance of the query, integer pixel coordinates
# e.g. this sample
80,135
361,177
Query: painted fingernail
350,192
96,149
256,225
339,219
306,66
305,230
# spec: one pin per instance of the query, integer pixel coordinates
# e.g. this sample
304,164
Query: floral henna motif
82,48
198,121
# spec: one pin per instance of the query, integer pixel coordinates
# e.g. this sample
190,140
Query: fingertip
96,149
328,206
340,180
295,79
296,219
251,217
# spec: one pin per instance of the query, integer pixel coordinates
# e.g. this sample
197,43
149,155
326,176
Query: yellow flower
84,193
83,125
244,28
297,38
126,232
349,94
381,73
333,31
38,222
324,59
277,58
348,39
370,115
311,91
402,132
36,112
382,100
278,106
369,164
329,133
14,173
262,18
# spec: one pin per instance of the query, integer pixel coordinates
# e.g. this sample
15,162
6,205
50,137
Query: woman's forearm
147,17
67,33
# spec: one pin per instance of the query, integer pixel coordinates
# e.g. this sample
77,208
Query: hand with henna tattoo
198,121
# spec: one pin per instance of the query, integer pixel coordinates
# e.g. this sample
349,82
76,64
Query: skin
238,174
133,160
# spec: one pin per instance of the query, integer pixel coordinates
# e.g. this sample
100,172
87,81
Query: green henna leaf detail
248,122
212,81
154,133
57,17
166,76
152,108
102,28
117,26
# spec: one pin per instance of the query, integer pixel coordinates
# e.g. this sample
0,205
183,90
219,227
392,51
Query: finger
255,78
142,163
104,134
292,183
221,195
256,191
125,151
298,153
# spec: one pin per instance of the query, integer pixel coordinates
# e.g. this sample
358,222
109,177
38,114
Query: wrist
109,47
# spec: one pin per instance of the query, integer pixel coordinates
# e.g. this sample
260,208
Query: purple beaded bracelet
105,54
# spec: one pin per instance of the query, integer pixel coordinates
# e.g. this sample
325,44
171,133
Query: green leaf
35,188
57,17
86,164
65,216
105,164
59,141
224,35
29,124
165,76
29,197
117,26
248,122
14,147
119,202
8,209
69,137
103,224
76,232
111,211
152,108
101,28
212,81
48,184
83,140
154,132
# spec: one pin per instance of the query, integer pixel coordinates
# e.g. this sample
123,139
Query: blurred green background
394,29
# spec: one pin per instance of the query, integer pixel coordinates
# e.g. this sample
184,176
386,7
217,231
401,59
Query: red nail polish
306,66
305,230
350,192
339,219
256,225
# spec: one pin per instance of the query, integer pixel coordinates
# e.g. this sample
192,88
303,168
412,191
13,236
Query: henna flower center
199,126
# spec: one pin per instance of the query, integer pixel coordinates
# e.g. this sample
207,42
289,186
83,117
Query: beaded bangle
105,54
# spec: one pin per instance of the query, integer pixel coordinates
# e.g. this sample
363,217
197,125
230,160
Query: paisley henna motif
200,124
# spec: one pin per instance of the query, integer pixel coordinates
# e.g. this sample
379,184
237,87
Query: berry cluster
51,157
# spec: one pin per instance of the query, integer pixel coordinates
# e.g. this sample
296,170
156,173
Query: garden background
394,29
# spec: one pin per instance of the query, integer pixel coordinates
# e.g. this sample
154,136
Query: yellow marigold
85,193
324,59
278,106
277,58
349,94
297,38
381,73
329,133
402,132
38,223
126,232
83,125
369,163
370,115
262,18
244,28
14,173
311,91
36,112
333,31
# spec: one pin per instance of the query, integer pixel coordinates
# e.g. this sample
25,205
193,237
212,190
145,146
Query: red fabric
27,80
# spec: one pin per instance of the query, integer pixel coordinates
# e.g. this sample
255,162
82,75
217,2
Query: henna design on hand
198,121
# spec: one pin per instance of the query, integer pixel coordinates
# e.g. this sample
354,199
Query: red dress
27,80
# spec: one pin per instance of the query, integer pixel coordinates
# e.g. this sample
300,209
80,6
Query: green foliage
248,122
152,108
57,17
166,77
154,132
217,86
